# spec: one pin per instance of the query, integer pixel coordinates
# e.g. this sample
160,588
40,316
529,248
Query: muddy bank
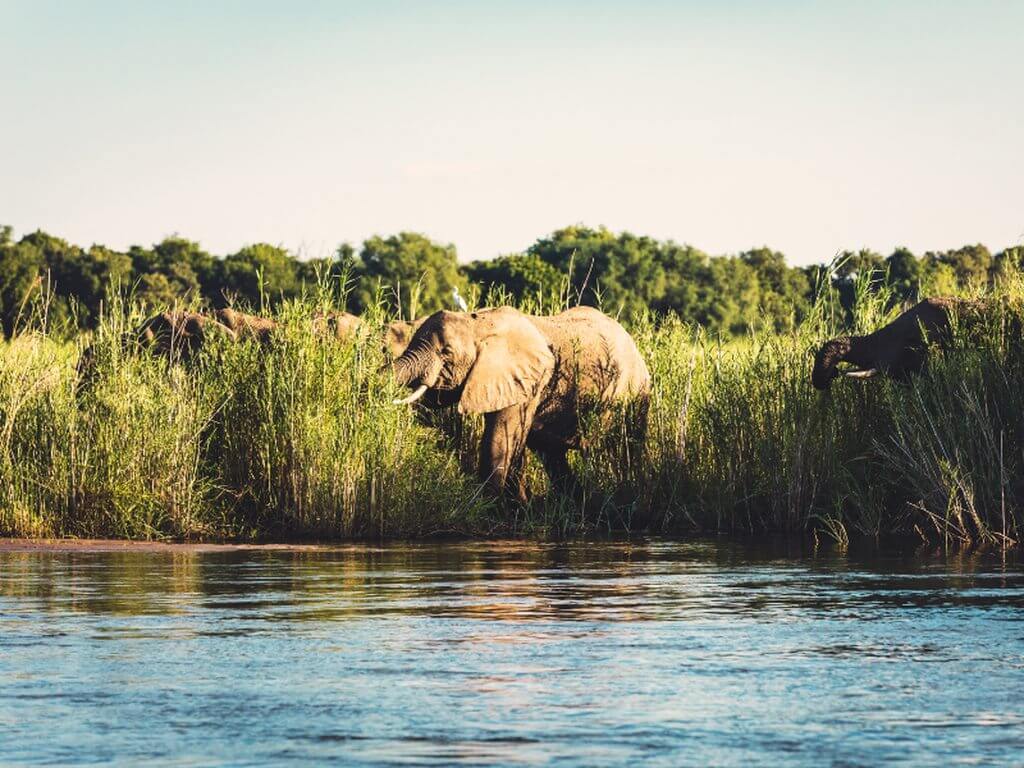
118,545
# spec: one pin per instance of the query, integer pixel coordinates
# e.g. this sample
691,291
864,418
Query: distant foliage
519,278
414,275
409,275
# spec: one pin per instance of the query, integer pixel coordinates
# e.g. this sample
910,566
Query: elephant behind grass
531,377
904,346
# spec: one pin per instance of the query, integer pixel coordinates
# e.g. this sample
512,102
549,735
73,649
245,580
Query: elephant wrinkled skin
529,376
897,349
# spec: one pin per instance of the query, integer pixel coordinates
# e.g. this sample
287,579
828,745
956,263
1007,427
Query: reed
299,440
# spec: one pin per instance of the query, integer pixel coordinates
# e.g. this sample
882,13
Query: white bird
459,301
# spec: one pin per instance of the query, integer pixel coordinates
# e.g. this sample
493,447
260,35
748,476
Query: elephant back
246,326
340,326
596,353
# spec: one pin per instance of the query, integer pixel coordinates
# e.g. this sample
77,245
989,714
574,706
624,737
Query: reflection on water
657,652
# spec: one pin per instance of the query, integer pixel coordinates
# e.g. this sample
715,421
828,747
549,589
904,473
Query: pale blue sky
807,126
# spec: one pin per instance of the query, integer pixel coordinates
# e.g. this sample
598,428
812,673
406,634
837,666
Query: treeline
412,275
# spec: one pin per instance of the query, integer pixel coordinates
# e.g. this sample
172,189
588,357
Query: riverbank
300,441
124,545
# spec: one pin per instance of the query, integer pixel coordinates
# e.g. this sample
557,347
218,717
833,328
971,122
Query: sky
809,127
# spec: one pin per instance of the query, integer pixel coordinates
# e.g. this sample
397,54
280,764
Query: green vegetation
413,276
299,439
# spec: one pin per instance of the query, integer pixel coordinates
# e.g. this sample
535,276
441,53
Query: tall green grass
300,440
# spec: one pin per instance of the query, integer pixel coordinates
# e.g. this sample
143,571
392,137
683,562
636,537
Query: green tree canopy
904,273
522,277
21,265
621,272
414,274
257,274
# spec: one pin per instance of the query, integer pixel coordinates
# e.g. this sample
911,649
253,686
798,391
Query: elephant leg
502,449
552,452
636,430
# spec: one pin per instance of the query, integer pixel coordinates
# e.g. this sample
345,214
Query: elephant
398,334
177,334
897,349
531,377
343,326
181,332
246,326
340,326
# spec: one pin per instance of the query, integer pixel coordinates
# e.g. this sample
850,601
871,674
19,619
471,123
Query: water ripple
656,652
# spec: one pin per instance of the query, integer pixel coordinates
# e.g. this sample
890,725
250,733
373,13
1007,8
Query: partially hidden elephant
897,349
246,326
340,326
531,377
343,327
177,333
398,334
181,333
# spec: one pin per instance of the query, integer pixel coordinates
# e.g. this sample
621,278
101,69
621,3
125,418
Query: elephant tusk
411,398
861,374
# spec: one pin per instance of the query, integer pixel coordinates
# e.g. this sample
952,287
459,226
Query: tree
732,297
938,277
904,272
604,269
415,274
522,277
179,262
784,291
1007,263
80,280
259,273
21,265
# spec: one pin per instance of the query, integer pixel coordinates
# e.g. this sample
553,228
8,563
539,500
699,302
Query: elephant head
341,326
845,349
487,360
246,326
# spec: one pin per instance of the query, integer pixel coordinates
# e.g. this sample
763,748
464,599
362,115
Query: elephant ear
511,364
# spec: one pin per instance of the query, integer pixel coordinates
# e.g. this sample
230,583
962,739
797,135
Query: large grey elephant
897,349
529,376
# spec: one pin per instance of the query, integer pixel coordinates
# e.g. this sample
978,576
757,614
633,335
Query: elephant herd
533,378
183,333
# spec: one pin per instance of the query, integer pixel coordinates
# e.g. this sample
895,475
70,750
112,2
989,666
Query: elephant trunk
417,366
845,349
409,368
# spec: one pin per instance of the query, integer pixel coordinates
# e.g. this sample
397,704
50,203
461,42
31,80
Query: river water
652,653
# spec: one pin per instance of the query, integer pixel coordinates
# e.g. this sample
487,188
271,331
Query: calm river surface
655,653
